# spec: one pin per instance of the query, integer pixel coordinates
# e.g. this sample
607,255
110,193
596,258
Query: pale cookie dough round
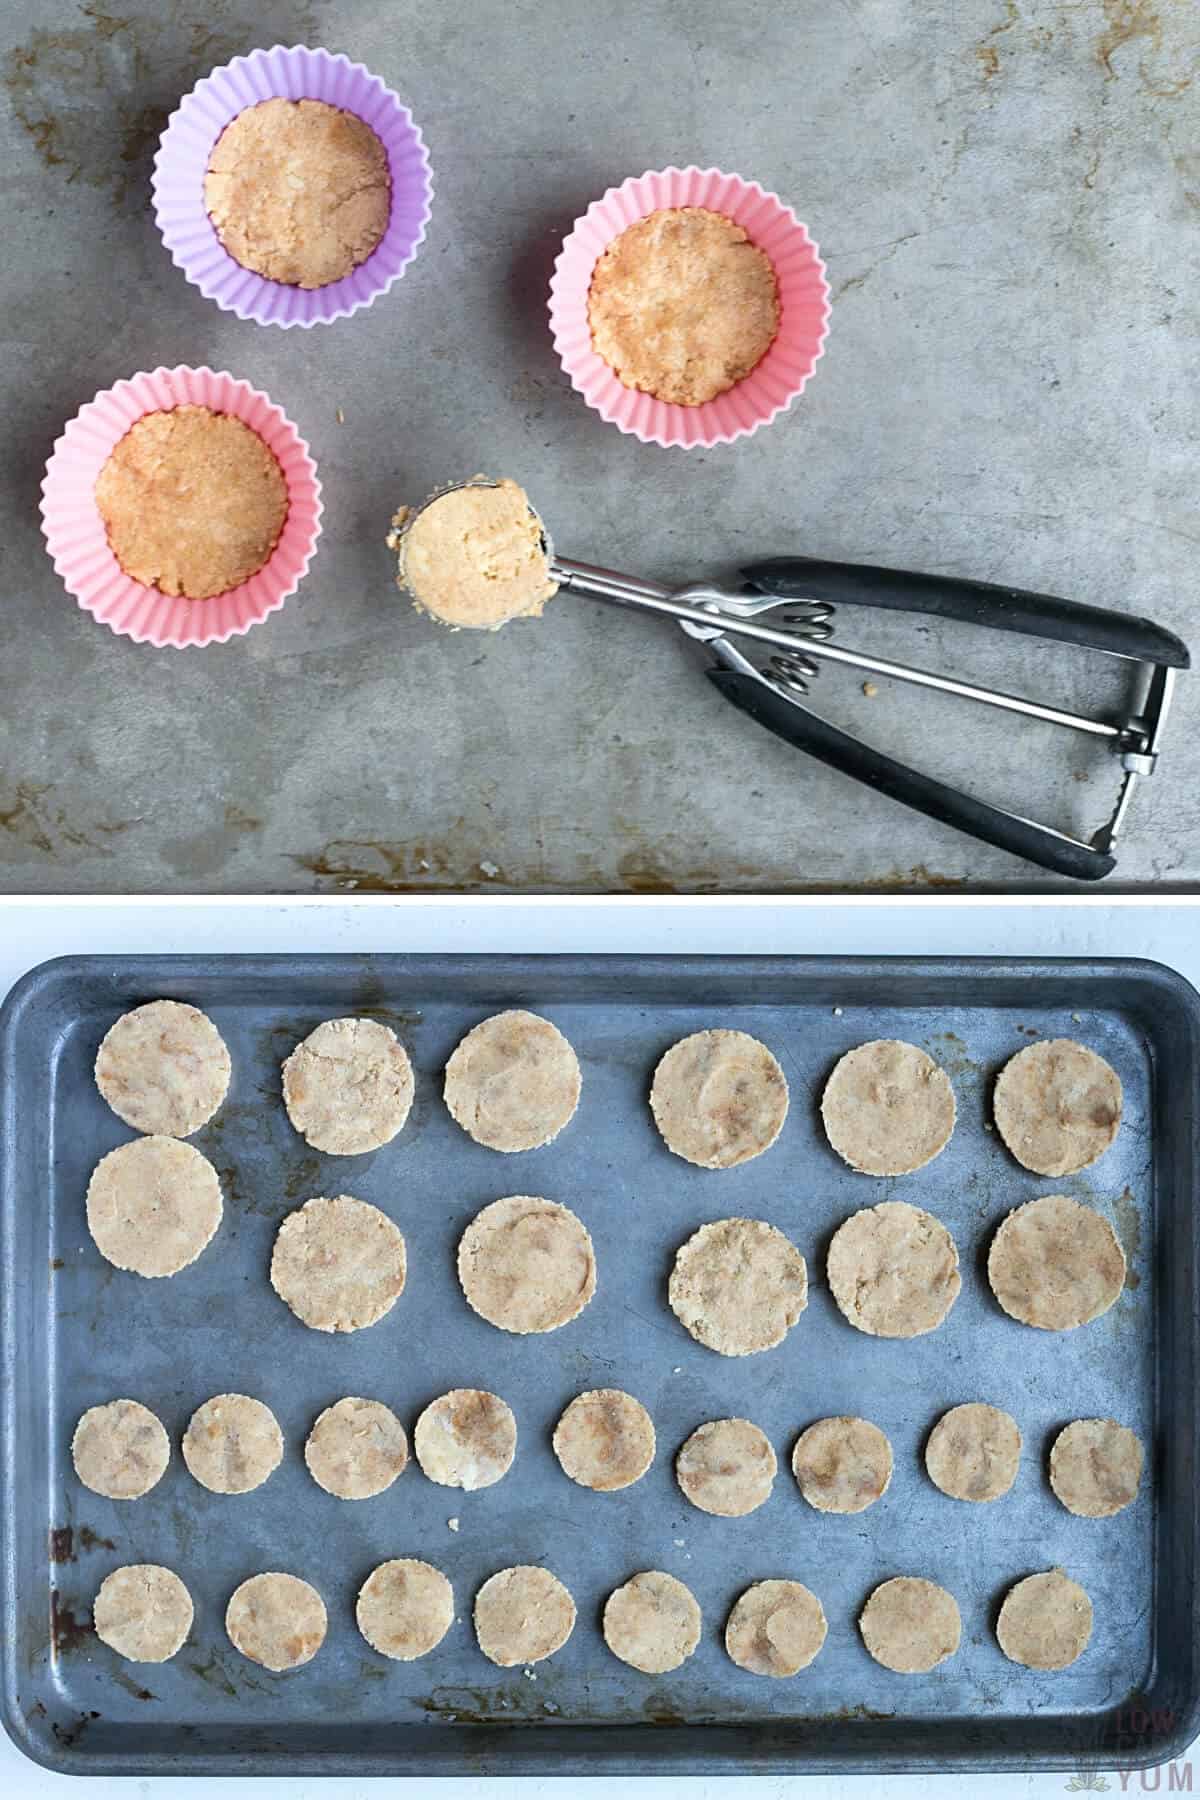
652,1622
973,1452
719,1098
888,1108
775,1628
842,1465
356,1449
339,1264
405,1608
726,1467
164,1068
466,1439
1056,1264
910,1625
738,1286
682,305
474,557
120,1450
143,1612
298,190
232,1444
348,1087
1057,1105
276,1620
893,1270
523,1615
605,1440
1096,1467
153,1205
526,1264
1045,1621
513,1082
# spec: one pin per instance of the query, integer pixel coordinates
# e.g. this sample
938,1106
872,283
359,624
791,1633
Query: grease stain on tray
1128,1224
67,1633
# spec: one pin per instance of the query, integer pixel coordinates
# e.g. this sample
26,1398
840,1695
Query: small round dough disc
164,1068
652,1623
276,1620
726,1467
1045,1621
910,1625
466,1439
348,1086
143,1612
339,1264
775,1628
605,1440
153,1205
1095,1467
973,1452
232,1444
356,1448
513,1082
405,1608
1057,1105
1055,1263
893,1270
120,1450
523,1615
526,1264
842,1465
719,1098
738,1285
474,556
888,1108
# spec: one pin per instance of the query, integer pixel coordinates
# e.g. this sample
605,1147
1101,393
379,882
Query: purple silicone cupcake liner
186,147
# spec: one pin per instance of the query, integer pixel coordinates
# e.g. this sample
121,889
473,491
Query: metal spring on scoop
791,670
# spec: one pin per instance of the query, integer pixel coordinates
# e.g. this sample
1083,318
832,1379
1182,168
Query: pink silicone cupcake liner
186,147
78,544
772,385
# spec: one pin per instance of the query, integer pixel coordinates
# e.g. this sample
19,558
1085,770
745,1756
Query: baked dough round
526,1264
513,1082
775,1628
738,1285
888,1108
276,1620
120,1450
726,1467
605,1440
1045,1621
153,1205
652,1622
523,1615
719,1098
339,1264
405,1608
143,1612
356,1449
475,556
1055,1263
973,1452
1057,1105
348,1087
842,1465
893,1270
466,1439
1096,1467
164,1068
232,1444
910,1625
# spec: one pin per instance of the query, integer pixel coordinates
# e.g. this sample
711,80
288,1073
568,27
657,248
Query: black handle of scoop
971,602
839,750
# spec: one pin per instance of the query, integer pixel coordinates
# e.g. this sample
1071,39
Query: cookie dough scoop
474,555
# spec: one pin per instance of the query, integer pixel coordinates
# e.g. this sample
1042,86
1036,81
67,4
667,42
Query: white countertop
31,931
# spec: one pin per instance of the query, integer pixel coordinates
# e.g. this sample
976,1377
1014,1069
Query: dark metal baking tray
77,1332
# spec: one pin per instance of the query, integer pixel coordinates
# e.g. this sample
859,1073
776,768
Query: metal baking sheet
77,1332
